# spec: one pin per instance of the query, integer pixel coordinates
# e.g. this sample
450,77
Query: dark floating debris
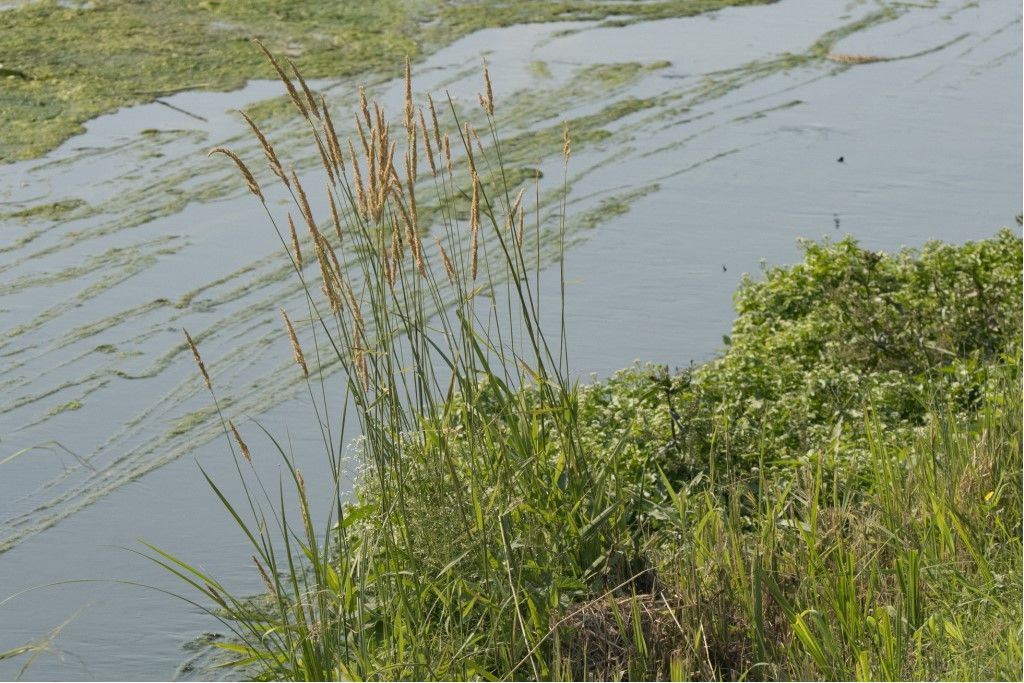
8,72
179,109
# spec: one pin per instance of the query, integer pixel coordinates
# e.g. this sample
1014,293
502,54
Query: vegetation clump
837,496
820,348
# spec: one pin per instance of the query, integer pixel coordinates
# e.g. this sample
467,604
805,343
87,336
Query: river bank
837,495
715,180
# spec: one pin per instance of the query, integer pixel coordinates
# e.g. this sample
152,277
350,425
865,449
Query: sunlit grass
492,534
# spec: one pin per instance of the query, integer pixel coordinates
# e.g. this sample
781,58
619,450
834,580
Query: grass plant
508,523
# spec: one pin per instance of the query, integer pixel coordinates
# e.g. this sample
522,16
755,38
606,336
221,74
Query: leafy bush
814,345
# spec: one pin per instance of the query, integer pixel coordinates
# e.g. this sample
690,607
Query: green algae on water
70,405
51,211
613,206
539,69
77,62
190,421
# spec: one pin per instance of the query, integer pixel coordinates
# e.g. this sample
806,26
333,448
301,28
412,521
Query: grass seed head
386,181
332,138
296,250
303,500
449,269
426,144
389,267
488,98
395,257
410,181
448,154
364,108
413,151
468,131
215,595
433,121
303,203
293,94
522,223
334,211
268,149
355,309
310,99
250,180
325,161
408,96
300,358
362,135
241,444
334,259
264,577
474,205
198,359
412,236
474,227
362,368
474,246
358,180
516,203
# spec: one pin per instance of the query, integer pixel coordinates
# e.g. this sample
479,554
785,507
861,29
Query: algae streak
63,65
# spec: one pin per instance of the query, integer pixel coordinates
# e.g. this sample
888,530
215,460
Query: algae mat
64,63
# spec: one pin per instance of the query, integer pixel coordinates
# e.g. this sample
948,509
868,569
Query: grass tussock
837,496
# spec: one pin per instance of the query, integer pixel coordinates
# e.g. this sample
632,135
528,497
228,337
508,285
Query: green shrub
814,345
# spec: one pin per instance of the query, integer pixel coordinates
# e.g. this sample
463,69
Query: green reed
488,538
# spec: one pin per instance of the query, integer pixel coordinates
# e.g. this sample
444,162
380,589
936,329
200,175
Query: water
736,158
